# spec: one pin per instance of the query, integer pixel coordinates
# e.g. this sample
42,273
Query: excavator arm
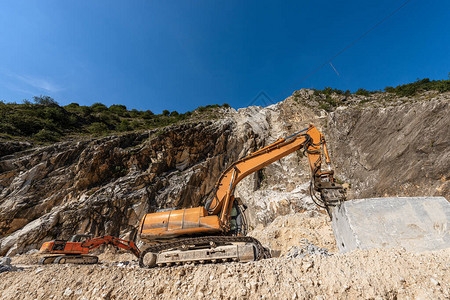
314,145
216,217
111,240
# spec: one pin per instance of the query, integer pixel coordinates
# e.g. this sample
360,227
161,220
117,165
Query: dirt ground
296,273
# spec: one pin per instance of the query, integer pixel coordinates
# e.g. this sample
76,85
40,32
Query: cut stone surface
413,223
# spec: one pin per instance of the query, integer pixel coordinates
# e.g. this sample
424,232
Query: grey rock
306,249
5,261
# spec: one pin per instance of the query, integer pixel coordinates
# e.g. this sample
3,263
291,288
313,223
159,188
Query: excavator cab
59,245
238,221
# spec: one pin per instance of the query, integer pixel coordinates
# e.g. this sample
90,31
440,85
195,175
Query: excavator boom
111,240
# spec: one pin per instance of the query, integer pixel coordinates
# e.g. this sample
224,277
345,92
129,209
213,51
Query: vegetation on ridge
328,98
46,121
405,90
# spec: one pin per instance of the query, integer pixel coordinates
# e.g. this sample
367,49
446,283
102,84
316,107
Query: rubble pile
304,272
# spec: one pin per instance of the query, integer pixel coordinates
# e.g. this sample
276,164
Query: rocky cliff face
104,186
394,150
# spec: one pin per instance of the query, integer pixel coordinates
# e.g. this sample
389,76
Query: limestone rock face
398,150
104,186
8,148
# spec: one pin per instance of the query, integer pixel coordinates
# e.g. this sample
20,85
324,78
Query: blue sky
178,55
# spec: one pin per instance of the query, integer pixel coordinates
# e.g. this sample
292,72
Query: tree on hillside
119,109
45,100
98,107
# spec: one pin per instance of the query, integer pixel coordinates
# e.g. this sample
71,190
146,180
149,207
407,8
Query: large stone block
414,223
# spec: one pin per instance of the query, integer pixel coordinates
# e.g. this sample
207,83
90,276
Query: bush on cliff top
45,121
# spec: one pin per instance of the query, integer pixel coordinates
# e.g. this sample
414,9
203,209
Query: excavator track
69,259
208,249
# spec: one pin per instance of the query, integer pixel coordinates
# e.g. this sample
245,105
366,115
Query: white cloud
39,83
29,83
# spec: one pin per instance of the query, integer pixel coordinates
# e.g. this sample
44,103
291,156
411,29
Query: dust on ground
366,274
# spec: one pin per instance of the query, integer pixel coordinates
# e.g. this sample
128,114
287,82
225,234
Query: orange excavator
76,250
216,232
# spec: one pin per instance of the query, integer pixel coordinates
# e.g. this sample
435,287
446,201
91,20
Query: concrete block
414,223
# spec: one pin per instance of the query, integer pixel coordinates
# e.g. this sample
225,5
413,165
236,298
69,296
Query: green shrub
97,128
45,135
389,89
46,121
120,110
134,113
45,100
328,91
124,126
362,92
420,85
26,124
98,107
148,114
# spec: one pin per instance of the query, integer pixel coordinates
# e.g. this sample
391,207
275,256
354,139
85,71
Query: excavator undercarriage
69,259
202,250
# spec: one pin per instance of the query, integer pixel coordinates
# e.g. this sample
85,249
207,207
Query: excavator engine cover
167,224
63,247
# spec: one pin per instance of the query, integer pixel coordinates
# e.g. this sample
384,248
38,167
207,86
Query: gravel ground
307,267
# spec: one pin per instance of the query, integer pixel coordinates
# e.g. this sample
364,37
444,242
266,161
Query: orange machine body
83,244
63,247
172,223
